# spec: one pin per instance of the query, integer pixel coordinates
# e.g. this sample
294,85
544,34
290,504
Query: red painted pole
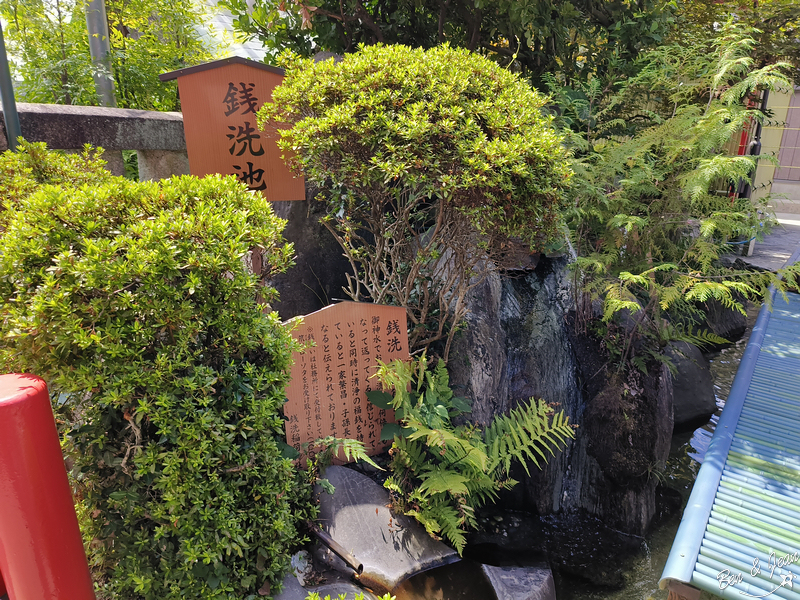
41,551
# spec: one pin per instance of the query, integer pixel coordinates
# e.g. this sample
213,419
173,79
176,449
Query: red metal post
41,552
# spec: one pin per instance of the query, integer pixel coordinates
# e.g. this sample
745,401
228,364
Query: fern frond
408,454
438,438
427,520
526,432
437,480
329,447
442,518
483,489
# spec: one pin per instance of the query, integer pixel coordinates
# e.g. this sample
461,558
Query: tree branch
442,14
367,19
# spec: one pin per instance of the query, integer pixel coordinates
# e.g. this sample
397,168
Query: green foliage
151,37
575,37
777,24
655,207
134,302
358,596
441,473
48,46
525,433
392,123
323,451
423,156
32,166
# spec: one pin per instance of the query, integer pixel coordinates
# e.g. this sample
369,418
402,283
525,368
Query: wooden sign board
219,101
327,392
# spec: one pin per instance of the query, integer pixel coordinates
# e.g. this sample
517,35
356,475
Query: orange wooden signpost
327,392
219,102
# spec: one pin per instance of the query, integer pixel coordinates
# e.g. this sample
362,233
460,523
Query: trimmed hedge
134,301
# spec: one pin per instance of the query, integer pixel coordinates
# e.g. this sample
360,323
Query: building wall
781,140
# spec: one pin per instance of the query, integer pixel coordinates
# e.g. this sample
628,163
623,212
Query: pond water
463,580
686,455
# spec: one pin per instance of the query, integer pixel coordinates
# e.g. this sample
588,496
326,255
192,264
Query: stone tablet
327,392
219,101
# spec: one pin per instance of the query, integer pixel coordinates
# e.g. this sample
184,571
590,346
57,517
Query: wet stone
391,547
521,583
292,590
693,399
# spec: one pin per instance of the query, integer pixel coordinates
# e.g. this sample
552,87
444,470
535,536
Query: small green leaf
326,485
390,430
380,399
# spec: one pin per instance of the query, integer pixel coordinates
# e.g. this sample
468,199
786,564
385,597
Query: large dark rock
317,278
726,323
478,361
391,547
693,399
627,430
518,344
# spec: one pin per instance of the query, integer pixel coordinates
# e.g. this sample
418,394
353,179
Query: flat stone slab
391,547
292,590
772,253
521,583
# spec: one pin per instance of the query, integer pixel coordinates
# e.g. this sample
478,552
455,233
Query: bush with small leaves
430,161
136,303
33,165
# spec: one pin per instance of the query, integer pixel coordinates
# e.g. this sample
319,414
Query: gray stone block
162,164
521,583
68,127
391,547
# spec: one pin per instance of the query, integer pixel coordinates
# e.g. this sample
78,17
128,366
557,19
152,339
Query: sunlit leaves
133,301
442,472
658,204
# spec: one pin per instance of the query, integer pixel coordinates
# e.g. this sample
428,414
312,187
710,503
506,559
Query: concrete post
161,164
100,49
9,110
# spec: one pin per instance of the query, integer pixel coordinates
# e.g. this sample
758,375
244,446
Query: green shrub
32,165
424,155
134,301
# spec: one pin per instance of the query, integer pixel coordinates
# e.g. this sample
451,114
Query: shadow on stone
392,548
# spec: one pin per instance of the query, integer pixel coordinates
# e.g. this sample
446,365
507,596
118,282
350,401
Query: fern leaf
439,480
449,521
527,431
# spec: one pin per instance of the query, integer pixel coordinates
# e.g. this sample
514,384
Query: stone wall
157,137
